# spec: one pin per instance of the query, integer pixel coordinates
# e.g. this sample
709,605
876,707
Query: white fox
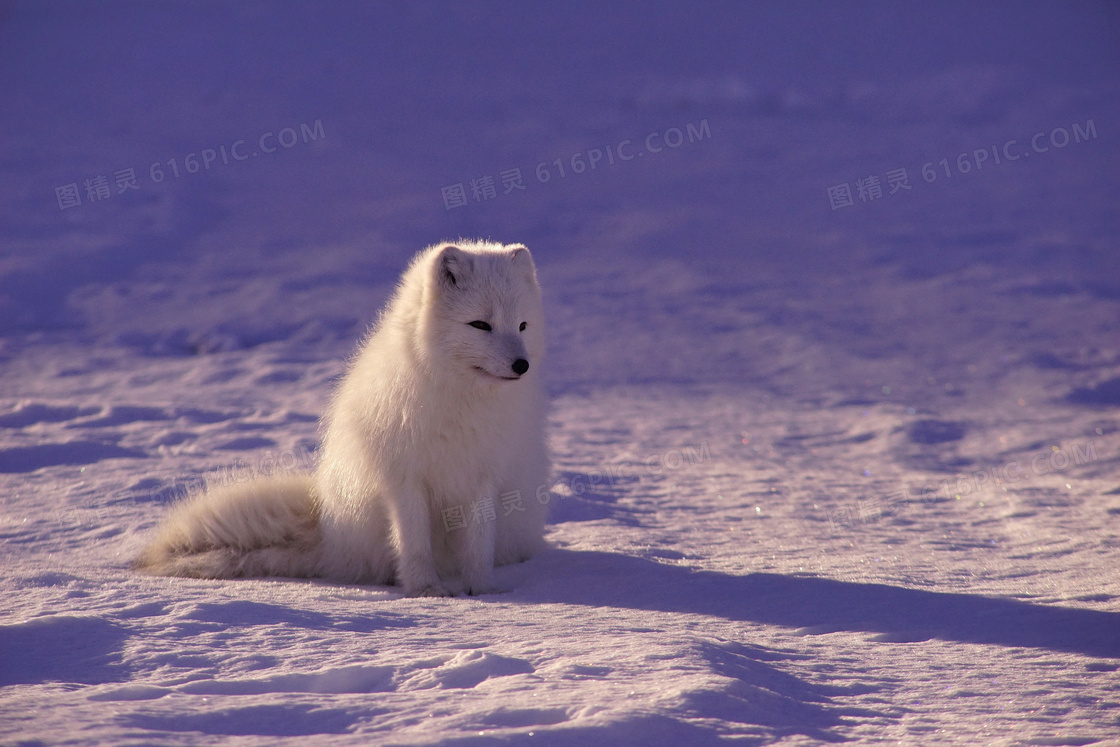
433,459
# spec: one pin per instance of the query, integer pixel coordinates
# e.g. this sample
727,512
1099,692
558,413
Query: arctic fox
434,450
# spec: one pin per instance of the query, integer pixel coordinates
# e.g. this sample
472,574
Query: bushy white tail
265,527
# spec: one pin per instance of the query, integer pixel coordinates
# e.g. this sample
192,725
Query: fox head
485,311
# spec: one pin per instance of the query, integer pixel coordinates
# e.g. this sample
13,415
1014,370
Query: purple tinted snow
589,578
31,458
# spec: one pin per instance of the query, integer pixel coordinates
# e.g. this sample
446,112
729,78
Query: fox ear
453,267
521,257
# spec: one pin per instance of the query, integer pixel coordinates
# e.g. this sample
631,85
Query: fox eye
522,327
479,324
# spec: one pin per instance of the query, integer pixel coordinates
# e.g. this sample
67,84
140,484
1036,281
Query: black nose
520,366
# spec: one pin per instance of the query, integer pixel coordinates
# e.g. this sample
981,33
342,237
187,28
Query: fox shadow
892,613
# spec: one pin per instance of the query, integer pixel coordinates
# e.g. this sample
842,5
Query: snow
823,474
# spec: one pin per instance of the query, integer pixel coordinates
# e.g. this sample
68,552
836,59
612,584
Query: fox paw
486,587
429,590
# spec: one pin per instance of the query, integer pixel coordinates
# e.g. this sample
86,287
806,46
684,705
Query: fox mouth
482,370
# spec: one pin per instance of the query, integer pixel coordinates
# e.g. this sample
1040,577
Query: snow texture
837,452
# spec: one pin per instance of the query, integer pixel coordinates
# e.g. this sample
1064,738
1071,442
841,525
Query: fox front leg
475,550
416,569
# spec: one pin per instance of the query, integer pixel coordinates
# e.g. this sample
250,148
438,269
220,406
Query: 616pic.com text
99,188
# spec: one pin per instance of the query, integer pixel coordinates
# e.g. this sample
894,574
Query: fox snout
514,349
506,358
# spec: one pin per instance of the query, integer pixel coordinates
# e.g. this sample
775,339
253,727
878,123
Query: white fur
430,416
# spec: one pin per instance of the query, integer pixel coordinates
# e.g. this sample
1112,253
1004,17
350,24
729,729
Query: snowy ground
825,473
